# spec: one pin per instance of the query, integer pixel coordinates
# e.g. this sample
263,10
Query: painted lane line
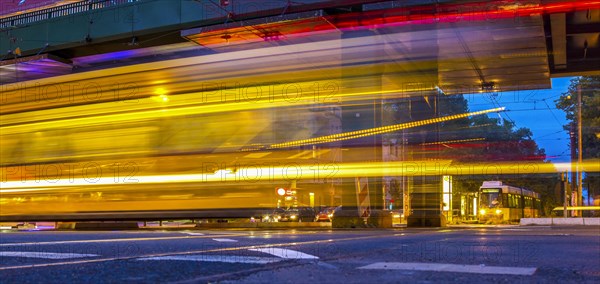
108,240
217,258
98,260
46,255
194,234
225,240
285,253
446,267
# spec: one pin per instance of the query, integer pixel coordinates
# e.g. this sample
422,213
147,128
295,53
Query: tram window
528,202
513,201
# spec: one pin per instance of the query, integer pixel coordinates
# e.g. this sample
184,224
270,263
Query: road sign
362,197
281,191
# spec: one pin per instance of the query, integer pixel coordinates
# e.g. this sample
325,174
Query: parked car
335,211
299,214
290,215
274,216
325,215
307,214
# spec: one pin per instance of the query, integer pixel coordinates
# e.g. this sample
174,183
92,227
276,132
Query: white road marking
217,258
225,240
46,255
446,267
195,234
286,253
107,259
107,240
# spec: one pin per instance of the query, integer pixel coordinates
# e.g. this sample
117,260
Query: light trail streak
252,174
96,114
378,130
419,15
453,141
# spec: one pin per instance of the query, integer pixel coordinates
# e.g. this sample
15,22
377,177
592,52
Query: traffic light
224,3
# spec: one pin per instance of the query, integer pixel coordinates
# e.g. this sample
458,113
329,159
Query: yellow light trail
180,105
378,130
307,172
453,141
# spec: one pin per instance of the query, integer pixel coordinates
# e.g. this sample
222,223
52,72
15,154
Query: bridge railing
59,11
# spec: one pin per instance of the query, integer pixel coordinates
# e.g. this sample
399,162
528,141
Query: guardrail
60,11
586,221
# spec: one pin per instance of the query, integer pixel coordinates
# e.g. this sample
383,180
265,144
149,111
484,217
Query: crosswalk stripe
218,258
46,255
286,253
446,267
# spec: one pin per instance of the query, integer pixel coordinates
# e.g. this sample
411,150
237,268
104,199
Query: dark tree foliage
590,112
590,121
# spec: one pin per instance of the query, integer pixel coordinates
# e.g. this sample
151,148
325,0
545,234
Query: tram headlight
498,211
482,211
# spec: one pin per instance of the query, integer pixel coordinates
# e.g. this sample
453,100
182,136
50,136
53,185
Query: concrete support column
359,115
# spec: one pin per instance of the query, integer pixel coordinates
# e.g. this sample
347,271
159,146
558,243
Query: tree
590,112
590,121
499,140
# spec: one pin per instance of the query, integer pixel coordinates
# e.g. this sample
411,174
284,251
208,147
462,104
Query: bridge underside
509,47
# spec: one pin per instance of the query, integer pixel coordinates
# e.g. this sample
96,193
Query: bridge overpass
556,38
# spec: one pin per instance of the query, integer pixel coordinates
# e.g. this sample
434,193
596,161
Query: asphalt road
459,255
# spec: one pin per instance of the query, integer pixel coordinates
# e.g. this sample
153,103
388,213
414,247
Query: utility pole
565,180
579,193
573,183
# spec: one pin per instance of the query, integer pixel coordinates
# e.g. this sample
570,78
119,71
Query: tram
501,202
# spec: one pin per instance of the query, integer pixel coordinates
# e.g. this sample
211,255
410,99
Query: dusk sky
535,110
